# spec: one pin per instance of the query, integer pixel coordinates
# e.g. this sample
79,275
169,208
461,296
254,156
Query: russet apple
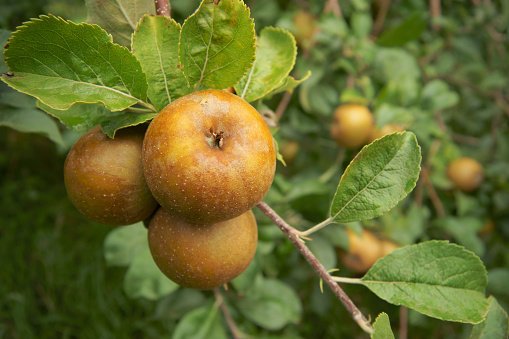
352,125
208,156
466,173
202,256
104,177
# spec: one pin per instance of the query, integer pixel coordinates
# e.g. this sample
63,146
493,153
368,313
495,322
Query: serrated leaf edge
389,207
25,25
252,25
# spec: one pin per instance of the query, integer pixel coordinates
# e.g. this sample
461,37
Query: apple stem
346,280
232,326
294,236
317,227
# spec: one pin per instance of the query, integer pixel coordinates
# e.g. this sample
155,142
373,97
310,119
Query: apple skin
466,174
202,256
352,125
209,156
104,177
385,130
305,28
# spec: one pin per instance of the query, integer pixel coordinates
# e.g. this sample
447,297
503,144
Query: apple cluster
193,175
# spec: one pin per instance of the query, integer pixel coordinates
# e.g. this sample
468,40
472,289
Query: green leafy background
64,276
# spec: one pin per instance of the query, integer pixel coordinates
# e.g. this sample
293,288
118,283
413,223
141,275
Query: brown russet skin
104,177
202,256
466,174
352,125
385,130
209,156
364,250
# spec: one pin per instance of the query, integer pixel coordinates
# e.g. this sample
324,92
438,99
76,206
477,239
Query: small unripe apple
385,130
202,256
305,28
352,125
209,156
289,150
363,251
104,177
465,173
388,247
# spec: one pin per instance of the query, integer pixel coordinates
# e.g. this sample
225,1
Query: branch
163,7
293,235
283,104
433,195
380,17
403,322
332,6
435,9
232,326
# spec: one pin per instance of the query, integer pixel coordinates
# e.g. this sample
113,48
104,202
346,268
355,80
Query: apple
305,28
364,250
352,125
385,130
466,174
209,156
104,177
289,150
202,256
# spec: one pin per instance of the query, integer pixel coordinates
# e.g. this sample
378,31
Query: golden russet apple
104,177
352,125
202,256
364,250
466,173
209,156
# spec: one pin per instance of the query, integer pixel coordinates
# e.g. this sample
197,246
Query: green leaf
155,44
30,120
408,30
73,63
4,35
395,64
437,95
497,281
436,278
289,84
123,243
465,232
276,51
379,176
118,17
143,278
323,249
128,246
270,304
496,324
83,117
361,24
200,323
111,124
382,327
217,44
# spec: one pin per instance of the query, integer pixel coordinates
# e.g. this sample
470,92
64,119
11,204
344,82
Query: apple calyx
215,139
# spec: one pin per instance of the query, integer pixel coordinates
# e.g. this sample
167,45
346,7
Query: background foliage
442,77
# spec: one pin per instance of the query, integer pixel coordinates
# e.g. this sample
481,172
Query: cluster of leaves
84,77
445,82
